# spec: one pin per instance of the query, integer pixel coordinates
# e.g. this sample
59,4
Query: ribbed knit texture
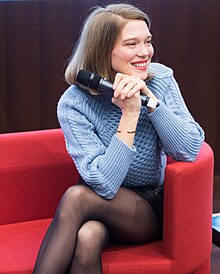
89,124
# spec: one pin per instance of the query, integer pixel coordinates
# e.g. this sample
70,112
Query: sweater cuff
119,155
117,160
169,128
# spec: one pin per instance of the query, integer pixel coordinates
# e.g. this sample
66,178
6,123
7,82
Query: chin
142,74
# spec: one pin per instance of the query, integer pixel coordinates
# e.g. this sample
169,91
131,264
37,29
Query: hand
126,86
127,92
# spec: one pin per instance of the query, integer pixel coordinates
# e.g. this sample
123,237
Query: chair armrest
188,192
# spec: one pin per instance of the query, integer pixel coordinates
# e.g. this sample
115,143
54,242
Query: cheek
116,60
152,51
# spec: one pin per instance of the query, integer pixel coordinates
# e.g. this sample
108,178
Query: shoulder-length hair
98,37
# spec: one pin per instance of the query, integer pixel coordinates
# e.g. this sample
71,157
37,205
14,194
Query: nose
143,50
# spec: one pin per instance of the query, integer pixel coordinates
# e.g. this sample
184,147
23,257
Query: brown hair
98,37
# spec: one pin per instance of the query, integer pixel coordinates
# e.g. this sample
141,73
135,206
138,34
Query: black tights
82,225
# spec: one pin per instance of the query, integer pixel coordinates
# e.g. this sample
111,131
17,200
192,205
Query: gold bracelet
128,131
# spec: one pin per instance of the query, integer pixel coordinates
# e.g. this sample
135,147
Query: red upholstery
35,170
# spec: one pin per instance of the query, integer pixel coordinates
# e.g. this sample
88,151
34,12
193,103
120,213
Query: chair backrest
35,170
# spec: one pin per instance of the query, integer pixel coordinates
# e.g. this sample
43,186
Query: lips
140,65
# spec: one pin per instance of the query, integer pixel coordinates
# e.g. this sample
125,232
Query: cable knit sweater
89,123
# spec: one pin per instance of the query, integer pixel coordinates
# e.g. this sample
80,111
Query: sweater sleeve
180,135
102,168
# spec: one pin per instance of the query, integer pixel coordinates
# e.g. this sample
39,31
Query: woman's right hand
127,93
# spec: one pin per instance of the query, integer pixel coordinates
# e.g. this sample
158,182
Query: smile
140,64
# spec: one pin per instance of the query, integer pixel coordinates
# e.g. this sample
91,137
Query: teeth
140,65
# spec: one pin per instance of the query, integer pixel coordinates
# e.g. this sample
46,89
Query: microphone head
83,77
88,79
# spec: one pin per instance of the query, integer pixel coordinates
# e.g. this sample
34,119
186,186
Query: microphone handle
106,85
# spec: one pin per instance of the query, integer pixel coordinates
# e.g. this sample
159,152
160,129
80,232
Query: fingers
118,78
126,86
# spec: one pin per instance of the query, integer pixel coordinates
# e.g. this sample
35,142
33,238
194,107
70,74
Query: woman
119,146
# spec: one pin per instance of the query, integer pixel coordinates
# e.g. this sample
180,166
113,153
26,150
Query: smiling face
133,50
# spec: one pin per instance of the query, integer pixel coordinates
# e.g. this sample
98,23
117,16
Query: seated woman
119,146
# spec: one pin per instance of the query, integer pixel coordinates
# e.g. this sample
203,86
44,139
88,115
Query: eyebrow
134,38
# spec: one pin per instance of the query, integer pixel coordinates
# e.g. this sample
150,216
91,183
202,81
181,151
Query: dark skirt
154,196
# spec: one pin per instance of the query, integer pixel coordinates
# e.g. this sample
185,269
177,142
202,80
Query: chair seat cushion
19,245
20,242
136,259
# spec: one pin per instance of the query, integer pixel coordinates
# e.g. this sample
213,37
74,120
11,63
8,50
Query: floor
215,258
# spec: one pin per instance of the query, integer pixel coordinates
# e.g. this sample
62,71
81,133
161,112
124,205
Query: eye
149,42
131,44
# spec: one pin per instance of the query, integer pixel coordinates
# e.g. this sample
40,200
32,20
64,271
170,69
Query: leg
128,216
131,219
91,239
59,242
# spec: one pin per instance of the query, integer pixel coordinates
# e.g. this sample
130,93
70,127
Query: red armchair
35,170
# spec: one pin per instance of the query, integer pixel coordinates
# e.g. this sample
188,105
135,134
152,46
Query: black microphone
96,82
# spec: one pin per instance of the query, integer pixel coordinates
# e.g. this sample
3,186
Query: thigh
128,216
131,218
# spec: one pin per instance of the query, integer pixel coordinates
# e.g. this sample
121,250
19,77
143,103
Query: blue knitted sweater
89,123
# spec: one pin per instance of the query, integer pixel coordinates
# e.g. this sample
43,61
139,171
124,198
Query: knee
92,233
91,239
72,201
